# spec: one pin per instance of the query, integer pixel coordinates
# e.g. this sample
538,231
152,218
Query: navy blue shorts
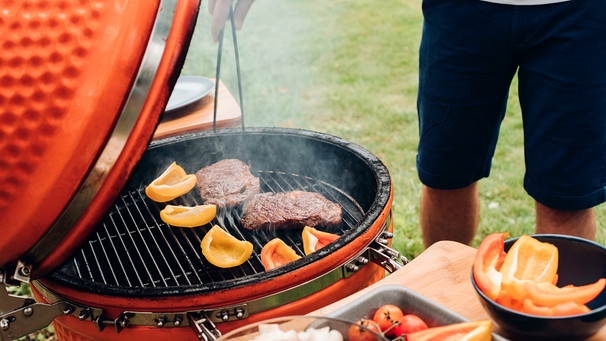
470,52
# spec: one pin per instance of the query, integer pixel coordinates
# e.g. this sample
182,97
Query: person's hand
219,9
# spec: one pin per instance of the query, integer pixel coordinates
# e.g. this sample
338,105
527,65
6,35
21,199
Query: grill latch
203,327
380,253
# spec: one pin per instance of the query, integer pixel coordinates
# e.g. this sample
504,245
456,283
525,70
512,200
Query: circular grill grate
132,253
133,248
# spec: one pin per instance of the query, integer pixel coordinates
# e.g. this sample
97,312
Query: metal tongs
218,69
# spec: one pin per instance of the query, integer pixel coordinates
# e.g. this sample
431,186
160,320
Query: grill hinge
20,316
23,272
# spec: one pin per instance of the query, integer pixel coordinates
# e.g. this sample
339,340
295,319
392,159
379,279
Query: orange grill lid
82,88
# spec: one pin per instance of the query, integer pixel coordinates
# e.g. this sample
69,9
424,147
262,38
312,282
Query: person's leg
449,214
580,223
464,81
562,84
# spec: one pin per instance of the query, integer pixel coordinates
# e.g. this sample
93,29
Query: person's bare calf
580,223
449,214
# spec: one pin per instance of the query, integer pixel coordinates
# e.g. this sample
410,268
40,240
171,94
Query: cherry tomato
408,324
387,316
357,333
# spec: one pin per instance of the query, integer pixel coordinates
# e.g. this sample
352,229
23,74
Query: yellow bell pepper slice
528,260
172,183
224,250
188,216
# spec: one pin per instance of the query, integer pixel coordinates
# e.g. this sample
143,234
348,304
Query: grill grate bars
134,248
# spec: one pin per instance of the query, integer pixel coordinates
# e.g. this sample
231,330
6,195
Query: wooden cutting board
441,273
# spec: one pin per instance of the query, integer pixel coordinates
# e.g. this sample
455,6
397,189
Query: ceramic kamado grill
82,87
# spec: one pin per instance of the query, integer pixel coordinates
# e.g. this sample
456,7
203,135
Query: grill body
134,262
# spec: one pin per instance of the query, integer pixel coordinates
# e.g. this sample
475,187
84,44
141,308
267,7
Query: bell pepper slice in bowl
488,261
527,279
549,295
506,300
562,309
528,260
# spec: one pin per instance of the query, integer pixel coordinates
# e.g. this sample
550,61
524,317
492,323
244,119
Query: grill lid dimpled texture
66,68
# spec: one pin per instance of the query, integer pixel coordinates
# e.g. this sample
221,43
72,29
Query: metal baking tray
409,301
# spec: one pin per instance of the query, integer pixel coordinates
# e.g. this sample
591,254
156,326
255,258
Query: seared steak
290,209
227,183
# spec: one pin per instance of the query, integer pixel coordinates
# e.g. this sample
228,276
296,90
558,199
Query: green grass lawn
349,68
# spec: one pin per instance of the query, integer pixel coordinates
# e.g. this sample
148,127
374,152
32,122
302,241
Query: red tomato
387,316
357,333
408,324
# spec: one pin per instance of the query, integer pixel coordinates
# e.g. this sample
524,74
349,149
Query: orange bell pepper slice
528,260
314,240
276,253
506,300
488,261
474,330
550,295
561,309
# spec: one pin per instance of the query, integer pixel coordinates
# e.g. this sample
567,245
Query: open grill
133,248
135,270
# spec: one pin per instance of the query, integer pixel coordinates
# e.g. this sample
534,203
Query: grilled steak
227,183
290,209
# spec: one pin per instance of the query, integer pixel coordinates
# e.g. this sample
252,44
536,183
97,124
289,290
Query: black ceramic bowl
580,262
